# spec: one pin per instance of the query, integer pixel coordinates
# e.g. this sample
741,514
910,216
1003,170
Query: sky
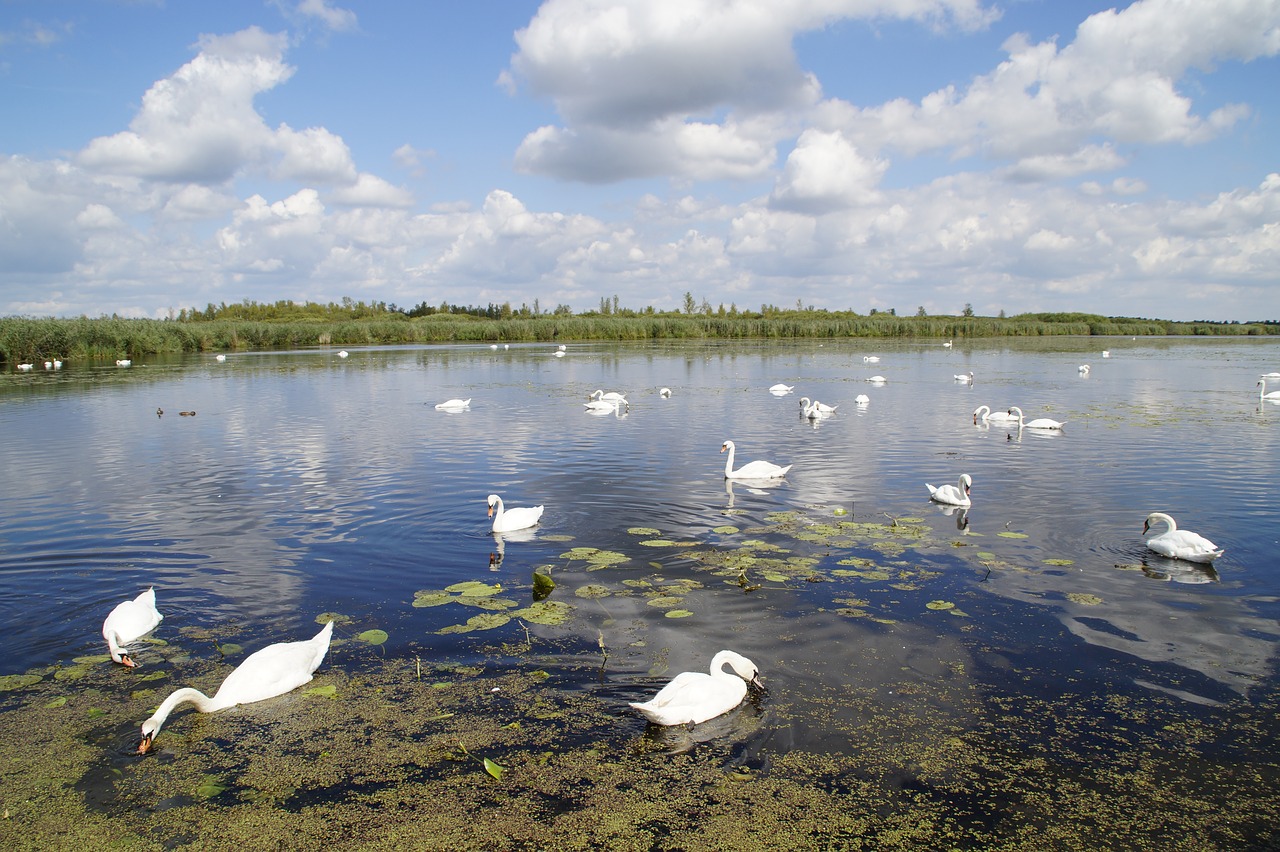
1016,156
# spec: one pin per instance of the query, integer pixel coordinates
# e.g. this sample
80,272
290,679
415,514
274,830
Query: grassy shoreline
25,340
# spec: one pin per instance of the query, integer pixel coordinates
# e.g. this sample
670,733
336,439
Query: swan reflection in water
960,513
751,486
500,540
1178,571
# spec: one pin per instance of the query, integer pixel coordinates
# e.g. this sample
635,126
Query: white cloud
332,17
825,172
372,191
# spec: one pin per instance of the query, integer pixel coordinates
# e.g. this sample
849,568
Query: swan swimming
871,359
862,399
693,697
877,380
1083,369
611,396
665,393
984,412
605,405
1038,423
781,389
220,357
751,470
1262,391
506,520
266,673
952,495
343,354
964,378
129,620
815,408
1179,544
454,404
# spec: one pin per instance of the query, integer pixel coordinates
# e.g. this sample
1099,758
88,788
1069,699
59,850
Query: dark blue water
306,483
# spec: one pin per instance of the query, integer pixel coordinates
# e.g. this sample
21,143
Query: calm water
307,483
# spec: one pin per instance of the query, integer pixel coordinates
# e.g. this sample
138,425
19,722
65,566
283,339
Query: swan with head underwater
952,495
506,520
266,673
984,413
1179,544
751,470
129,620
693,697
1039,423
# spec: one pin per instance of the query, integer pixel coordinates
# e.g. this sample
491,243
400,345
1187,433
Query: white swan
611,396
219,357
871,359
1106,353
266,673
26,368
506,520
493,346
665,393
693,697
1038,423
128,621
1083,369
984,412
966,378
781,388
952,495
1262,391
605,405
124,362
948,344
751,470
454,404
1179,544
815,408
877,380
862,399
343,354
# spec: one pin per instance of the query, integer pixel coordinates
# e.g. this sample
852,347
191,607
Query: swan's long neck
728,463
114,646
498,510
185,695
1161,516
1019,411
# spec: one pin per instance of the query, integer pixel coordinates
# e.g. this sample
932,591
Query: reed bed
26,340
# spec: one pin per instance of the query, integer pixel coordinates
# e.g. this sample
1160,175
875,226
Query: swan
781,388
948,344
1271,376
1038,423
26,368
120,362
862,399
57,365
266,673
1106,353
1179,544
558,353
506,520
493,346
1083,369
1262,391
128,621
984,412
611,396
967,378
665,393
605,405
562,348
813,408
454,404
871,359
877,380
343,354
693,697
952,495
48,365
751,470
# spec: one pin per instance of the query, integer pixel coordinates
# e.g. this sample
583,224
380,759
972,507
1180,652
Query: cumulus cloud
372,191
330,16
633,76
825,172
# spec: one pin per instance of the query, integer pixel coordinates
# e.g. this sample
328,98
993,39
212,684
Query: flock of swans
690,697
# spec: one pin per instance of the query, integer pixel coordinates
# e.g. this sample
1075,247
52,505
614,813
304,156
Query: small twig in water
890,517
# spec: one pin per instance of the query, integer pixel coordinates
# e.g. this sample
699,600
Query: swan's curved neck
728,462
1161,516
185,695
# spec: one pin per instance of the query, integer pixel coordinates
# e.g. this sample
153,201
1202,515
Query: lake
1023,670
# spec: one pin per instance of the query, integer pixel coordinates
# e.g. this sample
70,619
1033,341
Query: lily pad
484,621
545,612
421,599
942,605
230,649
678,613
474,589
660,542
18,681
60,701
725,530
326,691
1084,599
1059,562
1008,534
593,590
664,602
643,531
209,788
373,637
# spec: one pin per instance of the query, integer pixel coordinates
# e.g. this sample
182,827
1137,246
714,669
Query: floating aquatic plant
643,531
326,691
546,612
678,613
483,621
373,637
1084,598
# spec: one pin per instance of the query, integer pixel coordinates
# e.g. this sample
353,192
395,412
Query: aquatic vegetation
1084,598
483,621
373,637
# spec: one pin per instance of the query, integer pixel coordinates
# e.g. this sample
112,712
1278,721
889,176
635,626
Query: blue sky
1027,155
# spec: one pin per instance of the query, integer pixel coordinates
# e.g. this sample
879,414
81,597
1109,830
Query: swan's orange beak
722,449
126,660
145,745
491,511
1146,525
